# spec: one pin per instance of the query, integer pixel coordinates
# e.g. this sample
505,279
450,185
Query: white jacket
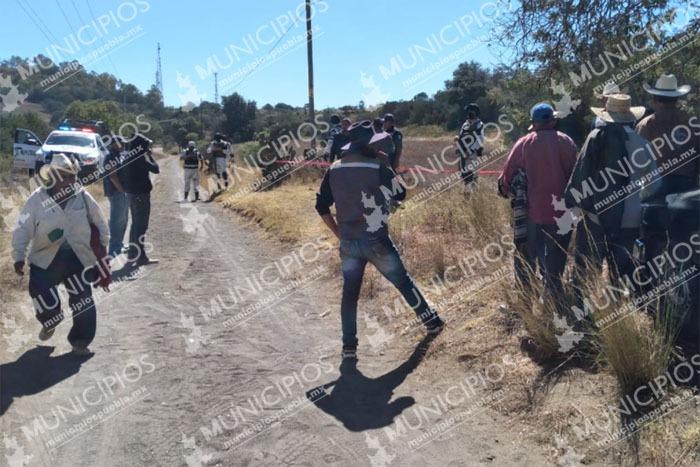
41,215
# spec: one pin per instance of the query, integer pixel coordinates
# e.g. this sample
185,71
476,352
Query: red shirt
548,158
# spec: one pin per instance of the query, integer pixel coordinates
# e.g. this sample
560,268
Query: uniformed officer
192,163
396,137
470,143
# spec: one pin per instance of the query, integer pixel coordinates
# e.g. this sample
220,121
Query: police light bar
69,128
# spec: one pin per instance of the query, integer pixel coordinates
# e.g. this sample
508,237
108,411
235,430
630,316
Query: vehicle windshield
71,140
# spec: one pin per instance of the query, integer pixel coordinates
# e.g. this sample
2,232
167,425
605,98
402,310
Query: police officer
396,137
470,142
192,163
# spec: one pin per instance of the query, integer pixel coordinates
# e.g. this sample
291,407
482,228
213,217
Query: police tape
400,170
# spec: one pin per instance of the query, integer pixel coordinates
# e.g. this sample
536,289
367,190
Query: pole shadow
35,371
361,403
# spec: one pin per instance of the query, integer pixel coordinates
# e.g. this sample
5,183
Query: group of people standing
219,156
555,187
389,139
630,156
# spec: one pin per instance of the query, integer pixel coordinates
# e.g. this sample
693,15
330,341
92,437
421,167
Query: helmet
217,136
191,144
335,119
472,107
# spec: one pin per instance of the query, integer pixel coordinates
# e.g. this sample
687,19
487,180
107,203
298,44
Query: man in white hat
607,185
674,136
609,89
55,225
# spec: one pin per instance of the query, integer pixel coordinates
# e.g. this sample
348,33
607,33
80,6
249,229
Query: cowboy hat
361,134
667,85
618,109
610,88
59,162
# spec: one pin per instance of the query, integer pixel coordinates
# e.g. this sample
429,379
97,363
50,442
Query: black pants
140,208
65,269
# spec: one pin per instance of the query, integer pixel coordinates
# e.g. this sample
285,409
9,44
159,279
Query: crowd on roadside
632,158
634,162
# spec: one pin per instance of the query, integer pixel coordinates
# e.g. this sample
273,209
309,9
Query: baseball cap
541,112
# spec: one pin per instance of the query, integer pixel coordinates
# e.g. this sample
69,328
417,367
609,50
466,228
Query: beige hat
59,162
609,89
667,85
618,109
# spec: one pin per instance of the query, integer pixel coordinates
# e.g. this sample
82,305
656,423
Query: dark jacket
139,165
361,188
598,182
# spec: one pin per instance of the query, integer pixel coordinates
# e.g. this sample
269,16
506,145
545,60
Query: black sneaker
349,351
435,326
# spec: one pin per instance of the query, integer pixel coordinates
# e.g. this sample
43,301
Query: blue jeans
65,269
381,252
118,217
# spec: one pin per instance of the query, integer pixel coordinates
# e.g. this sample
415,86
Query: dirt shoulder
450,245
226,352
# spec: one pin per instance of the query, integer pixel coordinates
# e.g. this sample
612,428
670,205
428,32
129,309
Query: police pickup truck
78,139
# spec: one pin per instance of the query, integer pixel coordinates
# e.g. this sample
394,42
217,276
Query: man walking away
547,157
113,186
192,163
610,223
217,151
397,138
138,190
674,135
361,188
470,143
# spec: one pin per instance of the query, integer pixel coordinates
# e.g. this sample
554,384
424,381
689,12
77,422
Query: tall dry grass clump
638,348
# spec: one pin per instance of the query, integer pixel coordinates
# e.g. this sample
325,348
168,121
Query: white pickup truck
82,144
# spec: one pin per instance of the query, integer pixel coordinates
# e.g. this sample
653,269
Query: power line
101,39
48,39
29,5
65,16
77,12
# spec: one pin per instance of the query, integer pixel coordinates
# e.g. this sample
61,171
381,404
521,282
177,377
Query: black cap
335,119
388,117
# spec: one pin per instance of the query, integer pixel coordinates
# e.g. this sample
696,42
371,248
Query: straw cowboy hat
59,162
618,109
667,85
609,89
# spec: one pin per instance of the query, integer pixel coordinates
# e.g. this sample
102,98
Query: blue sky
363,50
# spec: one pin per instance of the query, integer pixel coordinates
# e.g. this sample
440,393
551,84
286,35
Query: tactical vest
191,159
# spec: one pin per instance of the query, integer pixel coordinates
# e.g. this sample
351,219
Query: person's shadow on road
35,371
361,403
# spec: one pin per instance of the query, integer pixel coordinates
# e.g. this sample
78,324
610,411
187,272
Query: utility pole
216,87
310,60
159,73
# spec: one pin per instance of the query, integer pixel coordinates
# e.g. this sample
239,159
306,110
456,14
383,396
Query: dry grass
637,348
434,235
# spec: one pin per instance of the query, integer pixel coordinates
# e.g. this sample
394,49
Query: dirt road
253,380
